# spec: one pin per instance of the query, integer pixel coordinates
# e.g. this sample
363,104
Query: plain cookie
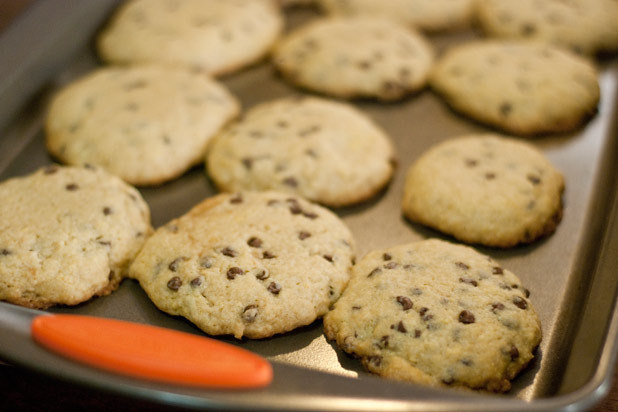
145,124
521,88
251,264
209,35
485,189
436,314
325,151
67,234
355,57
585,26
427,15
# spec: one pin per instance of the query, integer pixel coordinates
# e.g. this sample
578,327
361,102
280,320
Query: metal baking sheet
572,275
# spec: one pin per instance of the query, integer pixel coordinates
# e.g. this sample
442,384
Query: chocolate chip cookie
250,264
436,314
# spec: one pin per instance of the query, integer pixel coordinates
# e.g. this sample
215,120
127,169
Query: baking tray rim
23,76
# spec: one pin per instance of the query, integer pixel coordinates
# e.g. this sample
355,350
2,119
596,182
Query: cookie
427,15
355,57
214,36
146,124
437,314
485,189
325,151
520,88
585,26
250,264
67,234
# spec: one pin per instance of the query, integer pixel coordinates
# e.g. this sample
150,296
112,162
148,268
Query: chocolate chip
364,65
422,311
469,281
535,180
401,327
310,215
505,109
111,275
205,263
105,243
514,352
496,270
405,302
383,342
490,175
174,283
173,266
249,313
50,170
303,235
528,29
391,265
236,199
497,306
417,333
356,307
374,272
375,360
274,288
467,362
310,130
471,162
526,293
290,181
107,211
262,275
5,252
254,242
520,302
328,257
195,282
247,162
234,271
268,255
295,208
228,251
466,317
386,257
71,187
462,265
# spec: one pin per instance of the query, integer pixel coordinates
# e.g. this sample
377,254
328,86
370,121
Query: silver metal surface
572,275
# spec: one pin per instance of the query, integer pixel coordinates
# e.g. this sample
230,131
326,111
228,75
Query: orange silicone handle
151,352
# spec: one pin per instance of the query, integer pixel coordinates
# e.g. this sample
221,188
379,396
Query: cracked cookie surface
326,151
519,87
486,189
250,264
145,124
358,57
437,314
67,234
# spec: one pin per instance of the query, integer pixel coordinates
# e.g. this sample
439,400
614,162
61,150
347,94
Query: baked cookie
67,234
436,314
485,189
250,264
146,124
521,88
210,35
428,15
585,26
355,57
325,151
